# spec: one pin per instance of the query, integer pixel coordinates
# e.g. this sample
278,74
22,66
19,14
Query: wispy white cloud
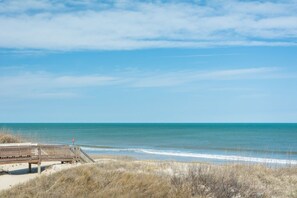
52,95
184,77
204,55
46,85
137,24
17,6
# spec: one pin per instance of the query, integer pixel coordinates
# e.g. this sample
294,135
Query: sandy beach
13,174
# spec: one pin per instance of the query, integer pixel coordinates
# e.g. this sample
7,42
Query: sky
148,61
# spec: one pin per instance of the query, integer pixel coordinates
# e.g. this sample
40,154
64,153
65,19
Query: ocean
218,143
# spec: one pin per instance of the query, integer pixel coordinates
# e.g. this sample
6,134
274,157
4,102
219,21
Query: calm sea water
251,143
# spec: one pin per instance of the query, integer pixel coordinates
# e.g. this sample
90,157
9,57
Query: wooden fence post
39,159
76,154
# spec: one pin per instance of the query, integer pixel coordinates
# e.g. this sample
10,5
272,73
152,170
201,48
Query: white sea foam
110,149
199,155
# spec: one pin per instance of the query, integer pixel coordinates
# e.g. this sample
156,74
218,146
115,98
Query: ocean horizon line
148,122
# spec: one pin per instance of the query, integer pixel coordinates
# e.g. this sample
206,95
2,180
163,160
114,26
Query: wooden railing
37,153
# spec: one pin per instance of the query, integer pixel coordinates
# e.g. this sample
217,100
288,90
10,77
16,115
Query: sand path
13,174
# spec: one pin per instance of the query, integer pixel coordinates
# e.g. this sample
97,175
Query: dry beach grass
132,178
7,137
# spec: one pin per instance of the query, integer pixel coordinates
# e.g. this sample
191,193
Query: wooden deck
37,153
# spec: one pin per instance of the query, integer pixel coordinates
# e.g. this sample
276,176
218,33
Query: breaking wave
196,155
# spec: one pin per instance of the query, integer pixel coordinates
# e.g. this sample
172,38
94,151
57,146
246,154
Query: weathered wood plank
37,153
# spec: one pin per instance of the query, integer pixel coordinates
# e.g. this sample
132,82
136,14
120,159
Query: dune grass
130,178
6,136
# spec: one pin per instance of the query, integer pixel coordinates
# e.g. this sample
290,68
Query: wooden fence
37,153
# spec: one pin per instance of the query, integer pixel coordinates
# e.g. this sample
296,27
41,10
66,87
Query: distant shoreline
218,143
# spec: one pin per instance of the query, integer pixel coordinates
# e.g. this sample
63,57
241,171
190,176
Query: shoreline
219,143
186,156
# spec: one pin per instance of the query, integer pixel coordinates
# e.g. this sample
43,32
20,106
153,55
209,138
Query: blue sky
148,61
